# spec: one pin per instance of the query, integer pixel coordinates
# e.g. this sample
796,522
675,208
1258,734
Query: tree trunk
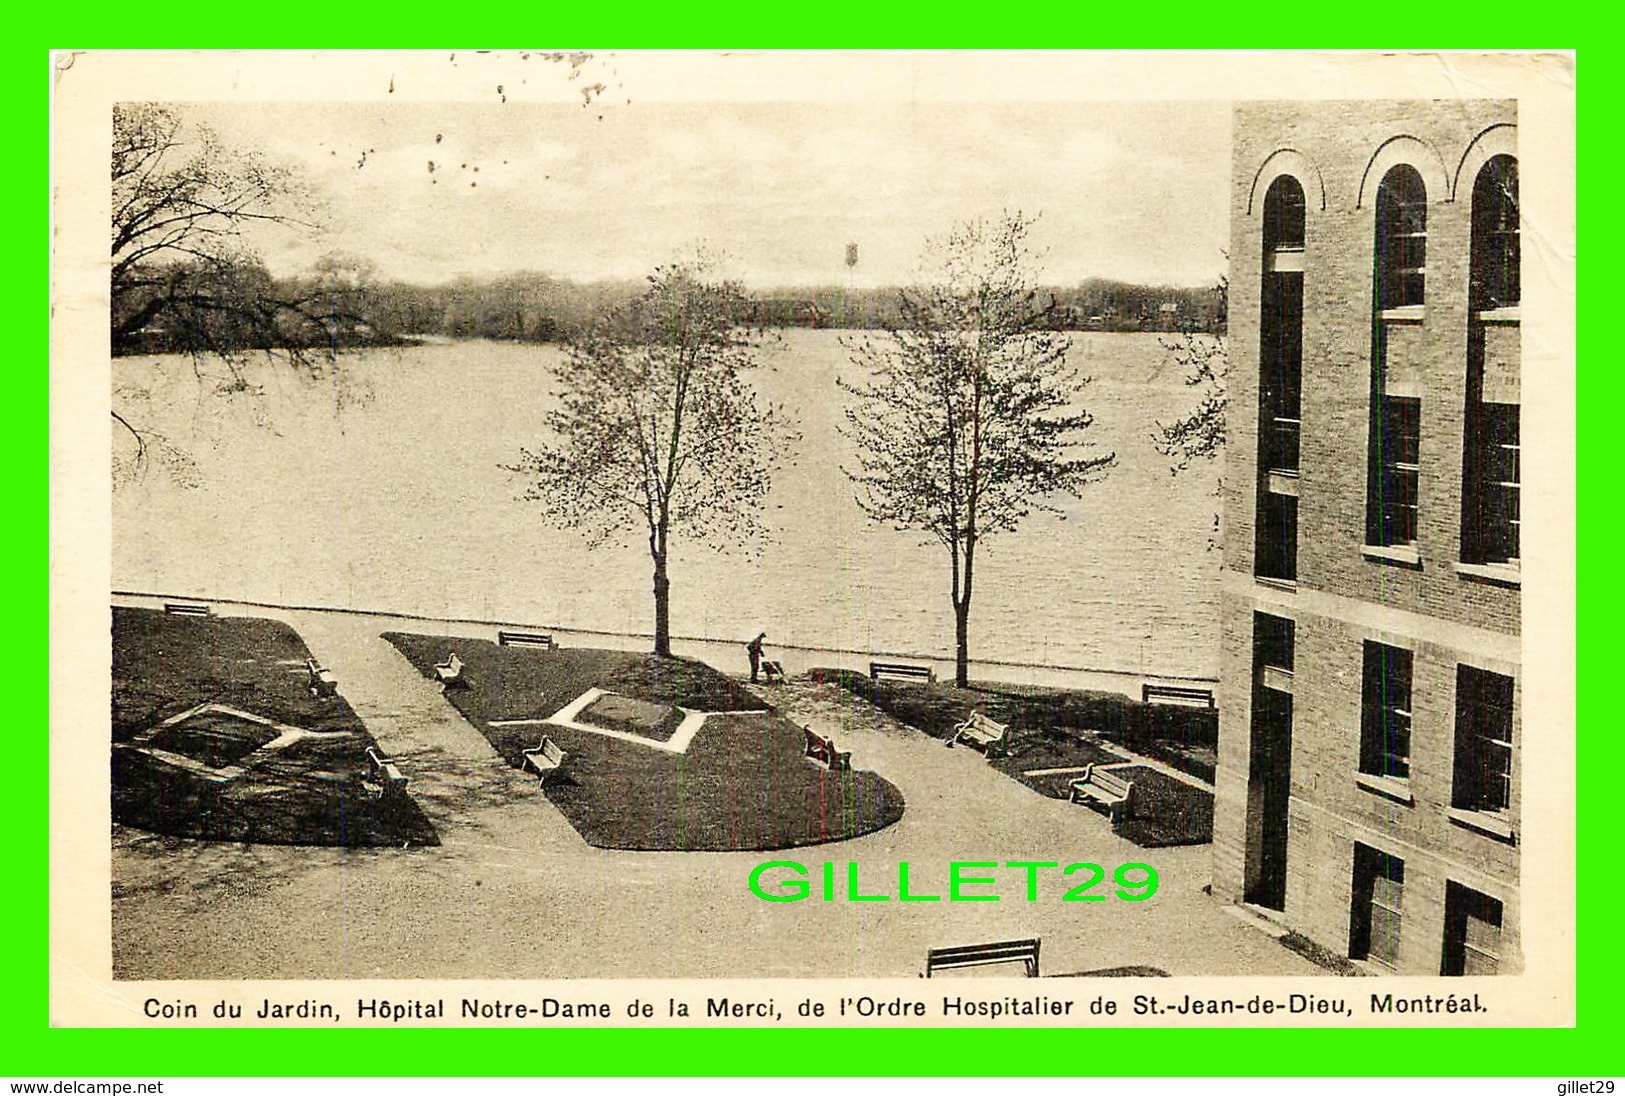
962,650
657,548
962,619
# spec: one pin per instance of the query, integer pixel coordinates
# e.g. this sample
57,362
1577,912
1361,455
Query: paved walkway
513,891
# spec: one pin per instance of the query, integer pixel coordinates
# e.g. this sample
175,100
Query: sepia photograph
575,516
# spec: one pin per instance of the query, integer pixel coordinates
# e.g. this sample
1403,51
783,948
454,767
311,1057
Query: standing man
754,648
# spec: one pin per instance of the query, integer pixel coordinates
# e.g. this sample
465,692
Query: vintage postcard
660,539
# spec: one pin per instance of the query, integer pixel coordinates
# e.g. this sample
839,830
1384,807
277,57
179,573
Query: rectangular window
1276,553
1385,732
1483,779
1397,451
1379,880
1494,525
1272,642
1472,932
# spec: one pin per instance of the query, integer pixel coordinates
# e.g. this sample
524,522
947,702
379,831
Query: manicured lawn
1043,748
1180,737
743,783
1166,811
656,722
310,793
1056,728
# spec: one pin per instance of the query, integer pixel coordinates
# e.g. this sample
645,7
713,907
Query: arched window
1495,235
1280,381
1393,501
1402,238
1284,208
1491,476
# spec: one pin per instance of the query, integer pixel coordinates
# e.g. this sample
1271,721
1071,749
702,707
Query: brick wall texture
1344,596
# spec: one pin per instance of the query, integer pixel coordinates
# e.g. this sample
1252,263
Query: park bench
545,759
386,773
980,730
877,670
1024,952
525,639
823,749
1179,694
450,672
322,681
1105,787
182,608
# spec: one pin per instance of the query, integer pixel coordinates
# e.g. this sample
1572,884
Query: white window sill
1502,574
1275,677
1276,583
1498,315
1386,786
1411,313
1406,554
1285,260
1492,825
1283,482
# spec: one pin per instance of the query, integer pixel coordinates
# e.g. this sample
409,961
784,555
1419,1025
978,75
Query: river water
387,493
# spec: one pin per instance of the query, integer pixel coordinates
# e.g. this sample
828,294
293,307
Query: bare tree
657,430
1199,435
968,417
181,203
182,276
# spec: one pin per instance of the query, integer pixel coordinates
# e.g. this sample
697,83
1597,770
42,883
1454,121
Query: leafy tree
657,430
968,419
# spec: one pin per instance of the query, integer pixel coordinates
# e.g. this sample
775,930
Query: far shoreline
727,654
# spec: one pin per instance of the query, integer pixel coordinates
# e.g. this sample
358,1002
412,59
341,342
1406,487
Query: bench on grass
545,759
978,729
322,681
182,608
1179,694
386,773
823,749
772,669
1105,787
525,639
877,670
450,672
1024,952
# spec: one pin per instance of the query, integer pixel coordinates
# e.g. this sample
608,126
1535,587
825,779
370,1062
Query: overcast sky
1131,190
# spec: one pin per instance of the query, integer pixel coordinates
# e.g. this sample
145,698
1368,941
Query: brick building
1368,780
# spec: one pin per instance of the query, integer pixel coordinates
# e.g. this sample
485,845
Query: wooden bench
771,669
322,681
1179,694
823,749
1108,789
450,672
1024,952
181,608
525,639
545,759
877,670
978,729
386,773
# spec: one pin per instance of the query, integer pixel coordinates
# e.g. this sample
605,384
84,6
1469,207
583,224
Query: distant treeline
342,304
1097,304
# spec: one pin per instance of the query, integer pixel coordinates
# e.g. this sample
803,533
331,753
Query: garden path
511,874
